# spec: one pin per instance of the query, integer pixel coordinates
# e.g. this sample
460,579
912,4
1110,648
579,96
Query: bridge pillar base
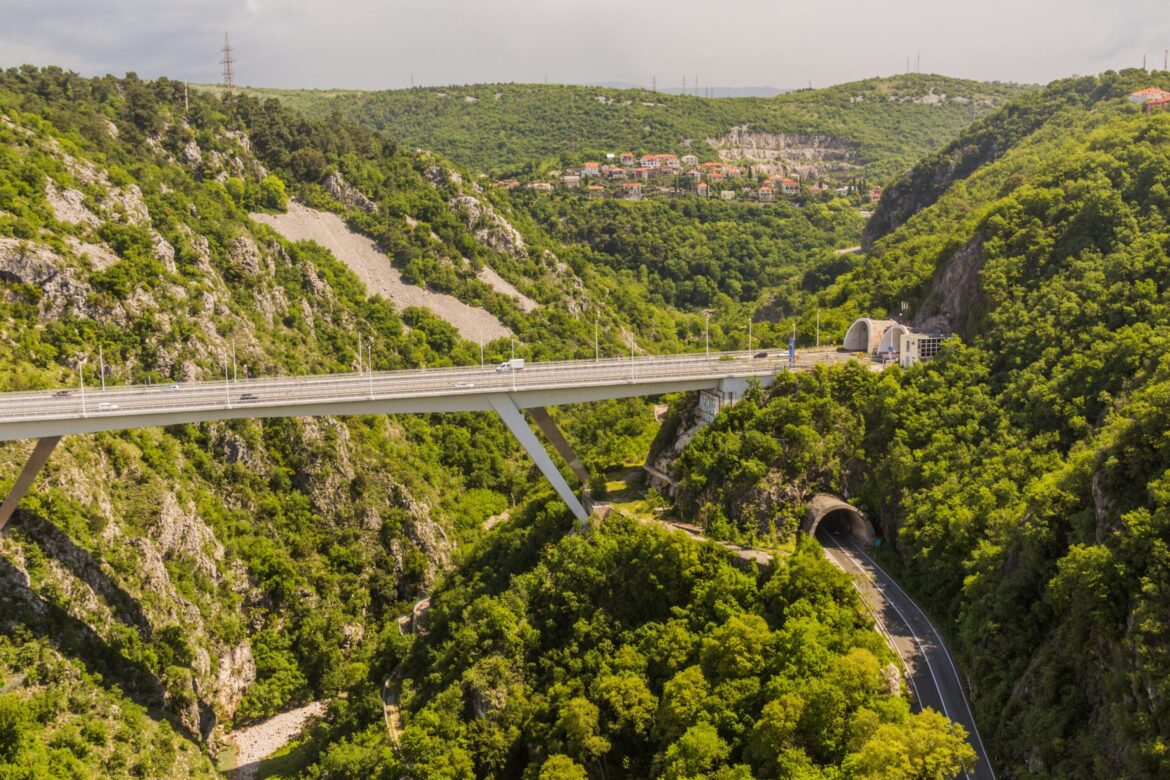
514,419
35,463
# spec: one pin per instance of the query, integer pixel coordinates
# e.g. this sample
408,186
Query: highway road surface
932,672
78,409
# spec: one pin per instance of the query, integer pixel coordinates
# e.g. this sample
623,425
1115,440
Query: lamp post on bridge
81,382
707,332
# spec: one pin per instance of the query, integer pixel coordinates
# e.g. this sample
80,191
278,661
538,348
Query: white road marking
945,652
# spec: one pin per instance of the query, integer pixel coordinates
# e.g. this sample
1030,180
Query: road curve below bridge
930,668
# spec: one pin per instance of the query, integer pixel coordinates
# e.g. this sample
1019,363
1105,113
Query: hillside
875,128
164,585
1022,475
634,652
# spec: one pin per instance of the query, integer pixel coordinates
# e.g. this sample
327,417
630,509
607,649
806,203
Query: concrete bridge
50,414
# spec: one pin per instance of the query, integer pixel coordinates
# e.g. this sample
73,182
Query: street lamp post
81,383
596,342
707,332
102,366
749,334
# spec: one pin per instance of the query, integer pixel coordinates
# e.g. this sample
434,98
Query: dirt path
255,743
301,223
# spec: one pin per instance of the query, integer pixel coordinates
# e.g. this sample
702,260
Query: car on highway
249,397
515,364
464,385
63,394
106,406
171,388
759,355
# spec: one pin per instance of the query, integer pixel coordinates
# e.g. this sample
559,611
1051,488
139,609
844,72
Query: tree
561,767
577,729
737,648
926,747
775,730
683,704
696,752
272,193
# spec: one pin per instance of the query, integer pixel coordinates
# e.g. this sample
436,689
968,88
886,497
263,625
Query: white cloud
380,43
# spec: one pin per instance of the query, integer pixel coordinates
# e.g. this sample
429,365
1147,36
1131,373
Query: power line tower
229,83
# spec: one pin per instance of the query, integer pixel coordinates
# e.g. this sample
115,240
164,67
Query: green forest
512,128
634,652
1021,476
163,587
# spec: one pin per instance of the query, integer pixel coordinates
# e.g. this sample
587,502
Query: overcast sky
782,43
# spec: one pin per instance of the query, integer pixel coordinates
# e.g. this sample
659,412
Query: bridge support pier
514,419
35,463
551,432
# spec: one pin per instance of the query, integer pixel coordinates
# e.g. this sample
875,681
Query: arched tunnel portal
829,512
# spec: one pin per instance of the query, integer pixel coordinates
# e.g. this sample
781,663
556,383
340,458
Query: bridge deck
51,413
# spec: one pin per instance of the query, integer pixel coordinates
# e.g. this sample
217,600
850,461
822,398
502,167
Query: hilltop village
626,175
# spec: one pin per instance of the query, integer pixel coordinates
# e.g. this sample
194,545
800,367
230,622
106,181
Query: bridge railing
336,388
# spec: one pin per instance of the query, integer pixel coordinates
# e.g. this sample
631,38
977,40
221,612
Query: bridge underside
509,405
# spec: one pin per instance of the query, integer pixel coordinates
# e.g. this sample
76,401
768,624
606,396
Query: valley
295,342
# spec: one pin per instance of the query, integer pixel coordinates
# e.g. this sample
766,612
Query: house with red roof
766,194
703,190
1143,96
1157,104
626,158
789,186
633,190
591,169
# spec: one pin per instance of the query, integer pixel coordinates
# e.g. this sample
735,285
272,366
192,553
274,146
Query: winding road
932,672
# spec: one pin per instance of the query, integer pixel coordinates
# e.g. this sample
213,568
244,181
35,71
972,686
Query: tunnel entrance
830,513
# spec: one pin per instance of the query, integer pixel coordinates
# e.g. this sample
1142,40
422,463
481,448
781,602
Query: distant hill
702,91
875,128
